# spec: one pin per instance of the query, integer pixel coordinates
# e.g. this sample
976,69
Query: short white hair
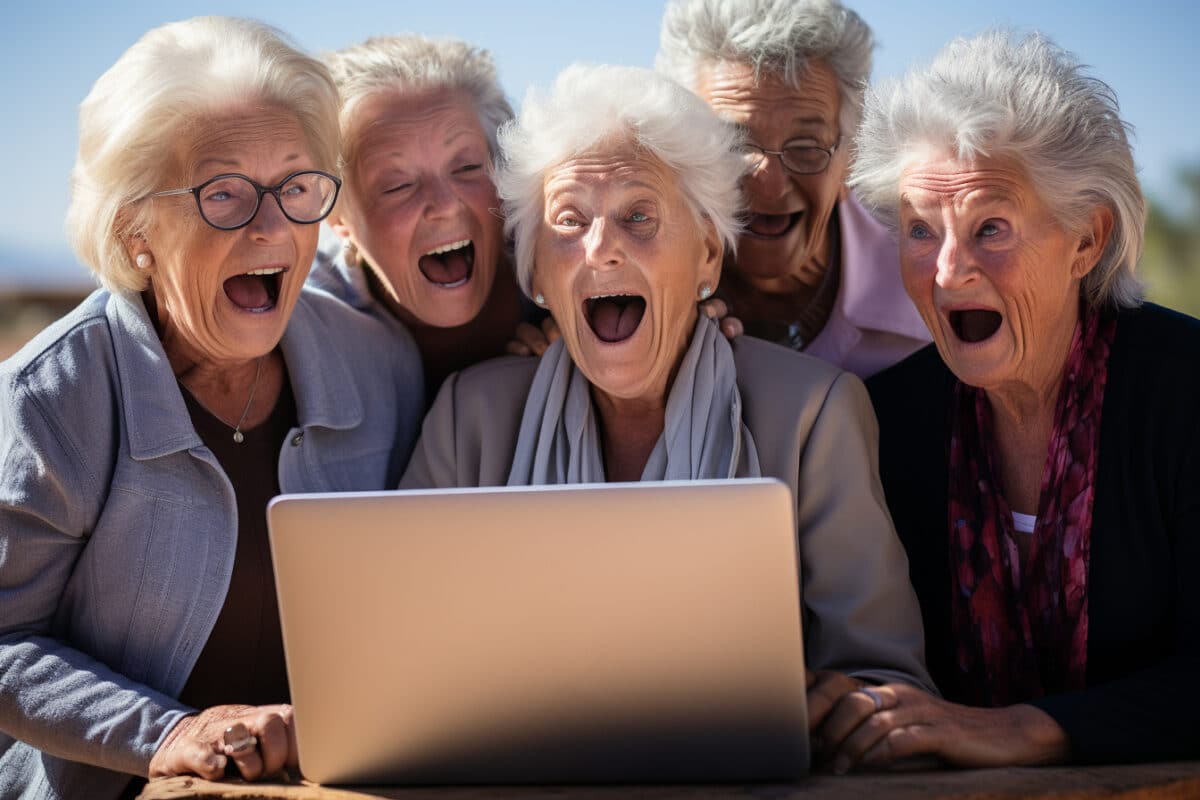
602,107
410,64
174,78
1023,99
776,37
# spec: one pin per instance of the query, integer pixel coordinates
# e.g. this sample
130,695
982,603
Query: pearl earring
142,260
539,299
705,291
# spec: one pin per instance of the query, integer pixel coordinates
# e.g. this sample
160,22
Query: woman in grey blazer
142,435
621,188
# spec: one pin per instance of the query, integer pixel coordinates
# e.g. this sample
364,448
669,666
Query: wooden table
1177,781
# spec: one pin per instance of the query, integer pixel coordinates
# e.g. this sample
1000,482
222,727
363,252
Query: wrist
1046,742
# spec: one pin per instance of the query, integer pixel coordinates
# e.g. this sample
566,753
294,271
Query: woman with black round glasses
142,435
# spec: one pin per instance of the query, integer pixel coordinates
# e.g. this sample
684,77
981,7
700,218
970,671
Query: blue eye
919,231
638,216
989,229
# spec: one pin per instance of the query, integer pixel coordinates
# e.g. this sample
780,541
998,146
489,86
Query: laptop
644,632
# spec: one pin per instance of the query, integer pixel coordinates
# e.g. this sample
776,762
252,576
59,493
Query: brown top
242,662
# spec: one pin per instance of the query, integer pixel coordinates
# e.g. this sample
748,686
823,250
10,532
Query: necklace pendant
237,436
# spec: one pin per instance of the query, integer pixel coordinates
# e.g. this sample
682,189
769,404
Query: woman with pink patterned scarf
1042,459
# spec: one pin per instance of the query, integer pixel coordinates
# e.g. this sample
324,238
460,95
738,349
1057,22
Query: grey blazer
814,429
118,527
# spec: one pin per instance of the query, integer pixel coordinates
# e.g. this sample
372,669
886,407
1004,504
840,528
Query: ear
133,241
1092,242
713,255
338,223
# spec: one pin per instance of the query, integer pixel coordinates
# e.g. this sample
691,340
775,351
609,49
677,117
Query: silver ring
873,695
238,740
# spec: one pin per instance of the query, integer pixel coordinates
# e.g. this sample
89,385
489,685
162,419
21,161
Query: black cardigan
1142,700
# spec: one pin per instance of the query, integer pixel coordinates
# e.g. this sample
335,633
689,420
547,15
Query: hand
196,745
531,341
911,722
826,689
715,308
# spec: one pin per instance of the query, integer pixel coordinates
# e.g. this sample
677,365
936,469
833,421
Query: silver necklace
238,436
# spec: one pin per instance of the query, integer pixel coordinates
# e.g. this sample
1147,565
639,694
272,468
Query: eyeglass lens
233,200
801,159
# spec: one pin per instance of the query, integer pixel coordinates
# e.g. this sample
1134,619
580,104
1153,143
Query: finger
732,327
515,348
191,757
854,710
273,744
240,744
714,308
900,742
824,694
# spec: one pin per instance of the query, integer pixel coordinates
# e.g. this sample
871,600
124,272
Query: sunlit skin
616,222
418,180
977,236
213,345
772,115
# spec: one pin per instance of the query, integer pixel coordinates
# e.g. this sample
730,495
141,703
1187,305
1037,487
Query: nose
269,224
601,248
768,180
441,200
955,268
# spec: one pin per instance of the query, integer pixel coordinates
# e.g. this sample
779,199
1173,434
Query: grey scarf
703,436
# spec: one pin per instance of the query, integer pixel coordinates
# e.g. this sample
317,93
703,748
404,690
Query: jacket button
297,439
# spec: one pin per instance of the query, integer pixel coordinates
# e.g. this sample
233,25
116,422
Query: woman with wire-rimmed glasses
814,271
142,435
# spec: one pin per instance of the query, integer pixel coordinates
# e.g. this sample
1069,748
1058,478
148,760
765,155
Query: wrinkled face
995,277
789,214
620,258
226,296
419,203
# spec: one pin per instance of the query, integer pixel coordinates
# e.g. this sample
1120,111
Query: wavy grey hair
175,77
776,37
602,107
409,63
1000,96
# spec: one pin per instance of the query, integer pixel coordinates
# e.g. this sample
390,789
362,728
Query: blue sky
51,52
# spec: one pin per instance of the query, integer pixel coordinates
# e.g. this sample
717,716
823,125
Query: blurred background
52,52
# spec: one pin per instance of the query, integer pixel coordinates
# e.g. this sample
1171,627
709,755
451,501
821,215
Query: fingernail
841,765
217,762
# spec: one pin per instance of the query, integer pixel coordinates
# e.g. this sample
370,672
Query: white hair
776,37
998,96
176,77
409,63
602,107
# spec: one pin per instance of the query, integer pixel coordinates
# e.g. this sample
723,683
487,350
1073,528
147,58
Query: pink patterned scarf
1021,624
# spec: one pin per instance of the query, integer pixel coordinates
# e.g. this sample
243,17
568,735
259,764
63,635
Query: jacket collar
156,417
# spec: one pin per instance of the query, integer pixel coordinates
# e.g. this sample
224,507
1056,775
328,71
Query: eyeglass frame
764,152
271,190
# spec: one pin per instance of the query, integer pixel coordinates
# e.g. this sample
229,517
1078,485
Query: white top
1024,522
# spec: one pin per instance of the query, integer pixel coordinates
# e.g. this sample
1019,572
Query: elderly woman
814,271
1042,463
143,434
621,189
423,242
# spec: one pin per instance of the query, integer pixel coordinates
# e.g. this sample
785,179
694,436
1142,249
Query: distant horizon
1146,52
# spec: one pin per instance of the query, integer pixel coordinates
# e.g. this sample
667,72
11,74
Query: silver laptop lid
597,633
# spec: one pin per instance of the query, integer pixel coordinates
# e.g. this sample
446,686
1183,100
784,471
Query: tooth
448,247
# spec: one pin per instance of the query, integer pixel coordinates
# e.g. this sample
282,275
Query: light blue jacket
118,528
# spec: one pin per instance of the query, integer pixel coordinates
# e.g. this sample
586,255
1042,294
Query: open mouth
772,226
976,324
614,317
256,291
449,266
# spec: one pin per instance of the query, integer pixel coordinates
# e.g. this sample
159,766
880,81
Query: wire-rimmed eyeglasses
228,202
798,159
